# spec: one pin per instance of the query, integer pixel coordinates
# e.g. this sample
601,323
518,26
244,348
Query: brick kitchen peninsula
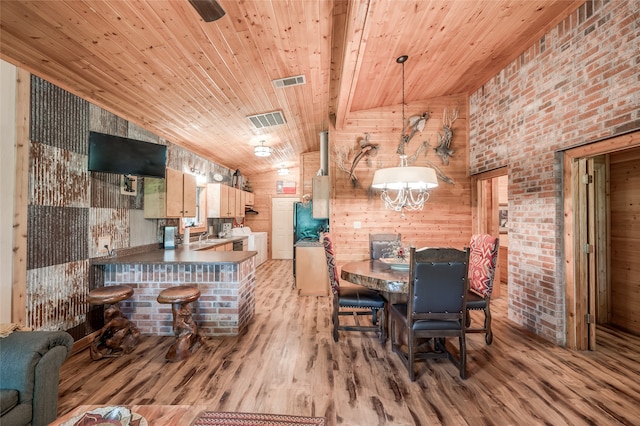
226,280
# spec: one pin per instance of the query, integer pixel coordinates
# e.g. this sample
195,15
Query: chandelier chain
404,188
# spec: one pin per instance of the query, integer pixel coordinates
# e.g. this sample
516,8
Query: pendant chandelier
261,150
404,188
283,171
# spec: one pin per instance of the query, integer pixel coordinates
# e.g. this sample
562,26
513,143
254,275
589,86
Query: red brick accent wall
225,308
578,84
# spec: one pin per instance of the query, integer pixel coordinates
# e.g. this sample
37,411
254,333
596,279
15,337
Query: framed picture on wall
503,218
129,185
285,187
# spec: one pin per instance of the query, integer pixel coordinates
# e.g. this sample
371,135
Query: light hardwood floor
287,363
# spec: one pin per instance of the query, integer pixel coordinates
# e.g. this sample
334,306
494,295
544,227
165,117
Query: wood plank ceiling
158,64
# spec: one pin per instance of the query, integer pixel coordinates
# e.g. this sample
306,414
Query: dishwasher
238,245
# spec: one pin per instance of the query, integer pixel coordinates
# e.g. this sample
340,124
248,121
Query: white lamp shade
262,151
405,178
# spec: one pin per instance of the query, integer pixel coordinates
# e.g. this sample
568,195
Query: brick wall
578,84
227,295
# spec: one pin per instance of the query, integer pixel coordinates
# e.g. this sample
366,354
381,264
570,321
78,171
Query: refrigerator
305,226
310,270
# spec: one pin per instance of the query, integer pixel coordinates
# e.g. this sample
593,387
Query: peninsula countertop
192,253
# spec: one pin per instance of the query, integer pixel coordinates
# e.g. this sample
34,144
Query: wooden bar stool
185,329
118,336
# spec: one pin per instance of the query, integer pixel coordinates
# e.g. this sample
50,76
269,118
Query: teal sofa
30,364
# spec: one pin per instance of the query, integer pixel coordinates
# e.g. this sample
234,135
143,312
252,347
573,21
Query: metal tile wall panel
58,118
141,231
112,223
105,122
58,177
56,296
105,192
138,133
56,235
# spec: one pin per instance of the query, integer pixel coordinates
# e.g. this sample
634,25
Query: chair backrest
383,245
438,283
334,279
482,263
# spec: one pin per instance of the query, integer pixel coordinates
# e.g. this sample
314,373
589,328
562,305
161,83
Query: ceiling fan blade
209,10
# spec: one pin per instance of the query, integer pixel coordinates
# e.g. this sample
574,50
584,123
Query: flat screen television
115,154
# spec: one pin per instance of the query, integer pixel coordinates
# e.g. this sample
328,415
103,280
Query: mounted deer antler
367,150
443,150
415,124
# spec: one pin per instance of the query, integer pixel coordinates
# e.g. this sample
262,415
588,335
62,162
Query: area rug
209,418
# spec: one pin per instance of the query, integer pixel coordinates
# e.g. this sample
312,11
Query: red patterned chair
353,300
482,268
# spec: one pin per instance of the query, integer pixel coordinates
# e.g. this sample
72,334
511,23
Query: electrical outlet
357,225
102,242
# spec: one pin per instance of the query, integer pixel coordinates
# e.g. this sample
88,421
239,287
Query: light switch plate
102,242
357,225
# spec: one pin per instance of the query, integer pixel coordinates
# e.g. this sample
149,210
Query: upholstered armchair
30,364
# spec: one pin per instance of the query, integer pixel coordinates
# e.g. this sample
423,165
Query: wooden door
175,188
189,195
580,269
240,200
225,201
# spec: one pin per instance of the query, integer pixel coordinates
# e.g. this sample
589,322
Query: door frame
484,208
579,336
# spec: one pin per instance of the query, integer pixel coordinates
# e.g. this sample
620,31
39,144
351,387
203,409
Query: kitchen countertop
195,252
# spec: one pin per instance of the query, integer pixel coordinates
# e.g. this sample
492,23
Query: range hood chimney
324,154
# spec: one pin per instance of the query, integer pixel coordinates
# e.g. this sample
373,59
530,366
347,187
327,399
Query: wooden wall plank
21,202
625,240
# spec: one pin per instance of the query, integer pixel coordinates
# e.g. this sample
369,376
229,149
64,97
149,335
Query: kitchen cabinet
320,197
225,201
249,198
221,201
225,247
173,196
312,273
240,202
220,247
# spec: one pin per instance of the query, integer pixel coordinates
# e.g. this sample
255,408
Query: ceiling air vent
296,80
267,119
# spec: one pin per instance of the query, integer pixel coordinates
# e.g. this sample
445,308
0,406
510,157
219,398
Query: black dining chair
383,245
353,300
435,309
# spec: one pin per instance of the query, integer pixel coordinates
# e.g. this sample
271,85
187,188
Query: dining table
387,278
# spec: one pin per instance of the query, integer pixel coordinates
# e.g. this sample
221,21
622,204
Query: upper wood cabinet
225,201
221,201
320,197
249,198
173,196
241,201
